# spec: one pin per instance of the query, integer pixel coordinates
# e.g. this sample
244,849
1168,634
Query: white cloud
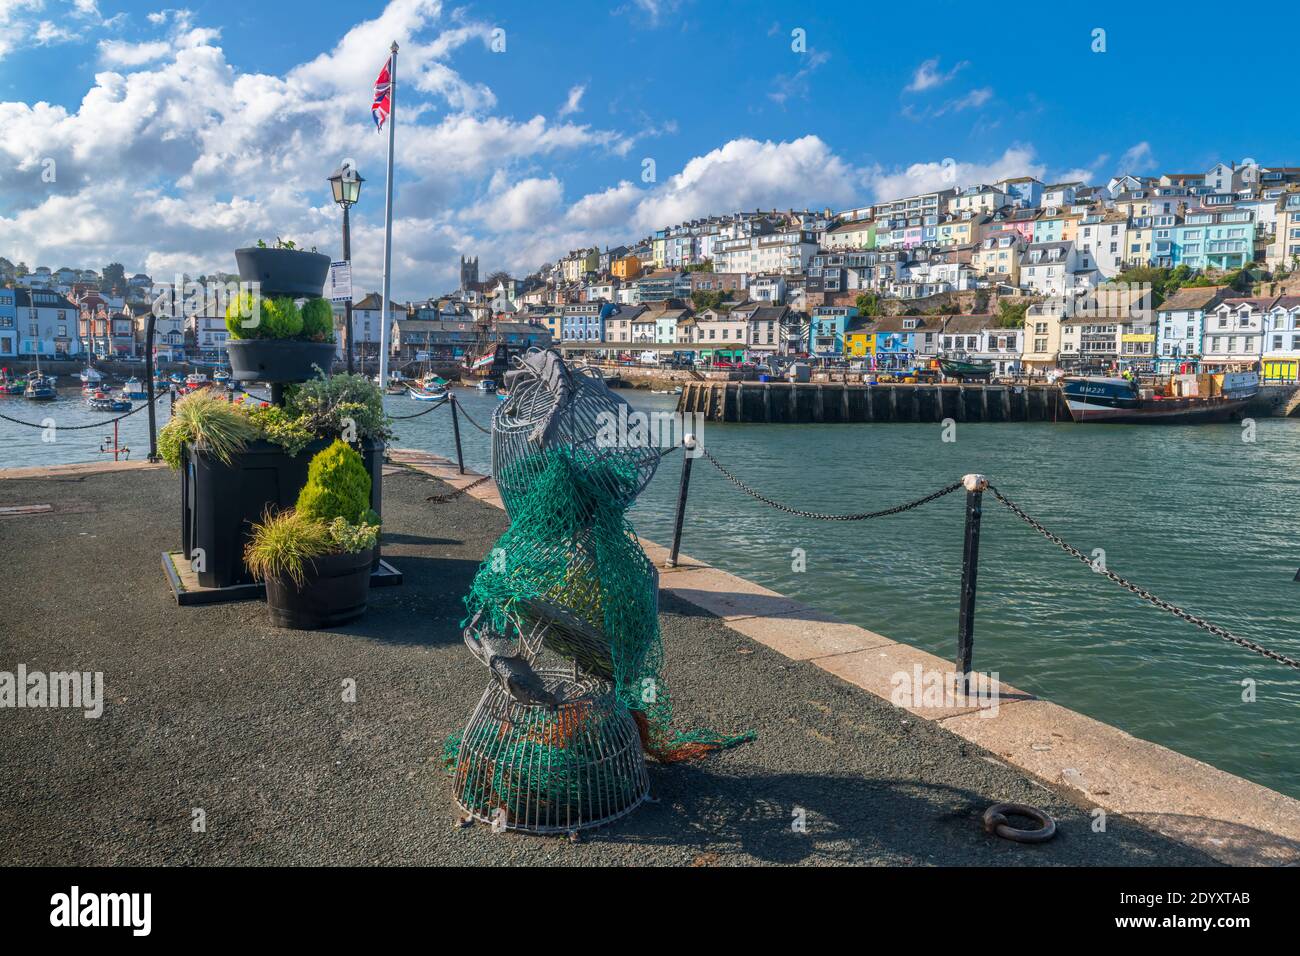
1137,159
172,159
573,103
928,75
528,203
950,174
123,53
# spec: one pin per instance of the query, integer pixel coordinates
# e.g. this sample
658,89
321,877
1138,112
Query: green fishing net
570,547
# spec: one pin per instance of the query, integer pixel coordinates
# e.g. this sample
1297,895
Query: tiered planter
221,502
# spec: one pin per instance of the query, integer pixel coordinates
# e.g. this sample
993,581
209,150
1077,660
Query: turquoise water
1194,514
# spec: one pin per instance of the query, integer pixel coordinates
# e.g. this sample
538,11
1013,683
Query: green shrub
208,420
338,486
281,319
317,321
351,538
327,404
282,428
244,315
283,544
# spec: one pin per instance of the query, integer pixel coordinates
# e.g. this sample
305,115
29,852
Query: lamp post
346,185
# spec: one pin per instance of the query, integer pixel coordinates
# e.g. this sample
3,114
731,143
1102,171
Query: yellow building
859,339
627,268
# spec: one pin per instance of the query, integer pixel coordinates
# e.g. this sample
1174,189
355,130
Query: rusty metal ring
995,821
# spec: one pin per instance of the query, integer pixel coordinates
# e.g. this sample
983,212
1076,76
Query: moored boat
9,384
1096,398
421,395
964,368
133,389
101,401
486,385
40,388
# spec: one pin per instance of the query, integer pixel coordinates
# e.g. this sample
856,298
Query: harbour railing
976,486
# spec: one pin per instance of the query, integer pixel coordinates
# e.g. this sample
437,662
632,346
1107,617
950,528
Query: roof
1200,297
1254,302
968,323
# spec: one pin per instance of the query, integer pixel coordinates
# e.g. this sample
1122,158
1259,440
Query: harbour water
1194,514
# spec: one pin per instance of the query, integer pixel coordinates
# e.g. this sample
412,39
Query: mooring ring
995,821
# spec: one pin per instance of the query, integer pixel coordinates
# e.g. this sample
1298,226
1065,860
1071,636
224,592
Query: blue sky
178,134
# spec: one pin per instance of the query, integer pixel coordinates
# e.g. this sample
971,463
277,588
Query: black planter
335,591
290,272
278,360
221,503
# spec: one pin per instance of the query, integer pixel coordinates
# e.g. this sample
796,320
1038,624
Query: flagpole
388,221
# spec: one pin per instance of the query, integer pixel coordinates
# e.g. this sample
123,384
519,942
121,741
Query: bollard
970,559
455,429
150,329
688,444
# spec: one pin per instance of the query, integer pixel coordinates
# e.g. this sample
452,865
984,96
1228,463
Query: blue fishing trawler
1096,398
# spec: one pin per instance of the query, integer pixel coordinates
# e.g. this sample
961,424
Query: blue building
8,324
896,342
585,321
828,325
1215,240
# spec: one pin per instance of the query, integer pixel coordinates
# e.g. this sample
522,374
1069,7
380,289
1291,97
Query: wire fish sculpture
563,612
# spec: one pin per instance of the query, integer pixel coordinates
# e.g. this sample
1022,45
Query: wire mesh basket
555,407
551,770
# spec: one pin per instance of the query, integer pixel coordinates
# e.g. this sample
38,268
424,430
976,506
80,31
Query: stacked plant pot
221,501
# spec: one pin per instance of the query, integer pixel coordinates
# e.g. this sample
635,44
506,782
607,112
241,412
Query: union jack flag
382,105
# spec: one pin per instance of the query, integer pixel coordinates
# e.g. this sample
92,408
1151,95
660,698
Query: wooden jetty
835,402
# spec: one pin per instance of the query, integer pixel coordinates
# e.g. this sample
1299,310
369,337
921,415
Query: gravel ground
212,708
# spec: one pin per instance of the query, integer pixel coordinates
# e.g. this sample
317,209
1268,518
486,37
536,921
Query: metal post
148,374
970,559
455,428
688,445
347,308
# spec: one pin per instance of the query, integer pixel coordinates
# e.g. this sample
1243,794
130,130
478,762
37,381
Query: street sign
339,287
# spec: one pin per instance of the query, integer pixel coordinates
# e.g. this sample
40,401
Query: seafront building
882,284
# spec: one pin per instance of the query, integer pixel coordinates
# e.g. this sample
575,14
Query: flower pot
221,503
291,272
334,592
277,360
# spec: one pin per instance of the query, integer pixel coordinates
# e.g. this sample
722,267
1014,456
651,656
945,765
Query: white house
1180,324
1281,359
1234,333
1056,268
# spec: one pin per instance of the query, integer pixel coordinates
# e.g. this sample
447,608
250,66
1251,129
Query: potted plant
274,339
283,269
315,558
239,461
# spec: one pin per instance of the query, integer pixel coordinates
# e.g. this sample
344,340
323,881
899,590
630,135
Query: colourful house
859,338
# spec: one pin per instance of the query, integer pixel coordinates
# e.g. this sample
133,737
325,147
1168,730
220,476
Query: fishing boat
176,378
90,375
101,401
133,389
9,384
421,395
40,388
486,385
1214,398
196,380
964,368
221,376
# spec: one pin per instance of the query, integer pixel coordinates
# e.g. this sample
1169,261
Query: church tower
468,272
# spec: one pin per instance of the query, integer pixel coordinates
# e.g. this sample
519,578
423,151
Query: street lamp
346,186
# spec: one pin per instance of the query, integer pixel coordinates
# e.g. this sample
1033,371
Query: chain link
485,431
96,424
896,509
1142,593
453,495
433,407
